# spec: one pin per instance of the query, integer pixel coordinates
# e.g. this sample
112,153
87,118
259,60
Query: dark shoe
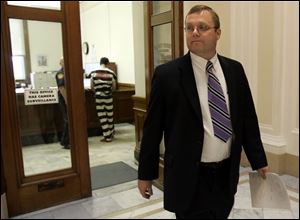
67,146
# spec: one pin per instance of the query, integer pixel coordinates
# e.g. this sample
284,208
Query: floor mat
112,174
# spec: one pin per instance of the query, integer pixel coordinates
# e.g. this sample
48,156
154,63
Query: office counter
123,108
43,123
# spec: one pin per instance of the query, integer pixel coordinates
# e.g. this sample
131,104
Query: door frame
175,17
67,184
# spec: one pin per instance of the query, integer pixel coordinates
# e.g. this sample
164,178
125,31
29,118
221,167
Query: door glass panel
162,44
161,6
36,53
54,5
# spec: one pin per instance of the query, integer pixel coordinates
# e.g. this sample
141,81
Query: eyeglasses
200,28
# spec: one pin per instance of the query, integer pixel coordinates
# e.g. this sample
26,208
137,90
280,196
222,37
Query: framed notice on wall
40,96
42,60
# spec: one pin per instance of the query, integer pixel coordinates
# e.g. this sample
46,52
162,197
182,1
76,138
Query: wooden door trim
162,18
6,125
35,13
77,97
175,17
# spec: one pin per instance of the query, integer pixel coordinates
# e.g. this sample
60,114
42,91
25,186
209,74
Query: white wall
95,29
45,38
264,37
108,28
139,48
17,36
122,49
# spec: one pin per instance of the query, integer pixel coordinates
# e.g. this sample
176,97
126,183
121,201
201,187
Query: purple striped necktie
217,106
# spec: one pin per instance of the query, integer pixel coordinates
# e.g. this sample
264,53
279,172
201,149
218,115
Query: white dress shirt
214,149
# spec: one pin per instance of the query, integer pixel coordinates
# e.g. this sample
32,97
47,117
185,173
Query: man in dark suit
203,137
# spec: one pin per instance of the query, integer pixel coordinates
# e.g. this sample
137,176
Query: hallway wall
108,28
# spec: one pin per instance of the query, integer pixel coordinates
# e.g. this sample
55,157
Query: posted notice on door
40,96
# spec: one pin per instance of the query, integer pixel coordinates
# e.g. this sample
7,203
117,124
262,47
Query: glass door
44,144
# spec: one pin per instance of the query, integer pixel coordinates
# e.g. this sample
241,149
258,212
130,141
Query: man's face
201,35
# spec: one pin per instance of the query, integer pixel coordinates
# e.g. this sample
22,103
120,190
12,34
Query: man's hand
145,187
262,171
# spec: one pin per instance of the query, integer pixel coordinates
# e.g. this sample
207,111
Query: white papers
87,83
268,193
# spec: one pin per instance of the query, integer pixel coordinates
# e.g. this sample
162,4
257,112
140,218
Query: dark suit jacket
174,110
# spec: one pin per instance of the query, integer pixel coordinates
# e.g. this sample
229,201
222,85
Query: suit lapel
188,84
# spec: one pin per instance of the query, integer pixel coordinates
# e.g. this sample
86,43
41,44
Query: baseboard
279,163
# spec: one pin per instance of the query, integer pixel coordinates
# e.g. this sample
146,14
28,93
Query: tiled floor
124,200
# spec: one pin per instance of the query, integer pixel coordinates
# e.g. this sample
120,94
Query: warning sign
40,96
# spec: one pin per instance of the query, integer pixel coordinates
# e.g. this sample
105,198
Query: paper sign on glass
268,193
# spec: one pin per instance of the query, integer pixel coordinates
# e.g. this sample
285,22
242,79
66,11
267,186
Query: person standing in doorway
103,83
62,97
202,104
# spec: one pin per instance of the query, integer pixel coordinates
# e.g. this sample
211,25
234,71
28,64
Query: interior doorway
105,26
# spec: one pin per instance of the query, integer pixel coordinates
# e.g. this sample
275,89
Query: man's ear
219,33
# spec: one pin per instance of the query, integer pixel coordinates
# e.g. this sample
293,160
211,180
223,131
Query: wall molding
273,140
295,131
278,68
268,136
244,40
266,128
140,111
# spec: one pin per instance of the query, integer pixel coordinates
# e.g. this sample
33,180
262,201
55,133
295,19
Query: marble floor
49,157
124,200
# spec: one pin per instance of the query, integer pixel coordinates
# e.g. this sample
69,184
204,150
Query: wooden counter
123,108
44,124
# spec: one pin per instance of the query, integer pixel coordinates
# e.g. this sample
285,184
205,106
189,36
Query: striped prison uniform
102,80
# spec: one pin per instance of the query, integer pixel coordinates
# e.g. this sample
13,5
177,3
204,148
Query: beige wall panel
265,63
292,165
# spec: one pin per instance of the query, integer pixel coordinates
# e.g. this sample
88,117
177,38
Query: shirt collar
201,61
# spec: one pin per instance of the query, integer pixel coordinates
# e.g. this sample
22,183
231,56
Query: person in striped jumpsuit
103,83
